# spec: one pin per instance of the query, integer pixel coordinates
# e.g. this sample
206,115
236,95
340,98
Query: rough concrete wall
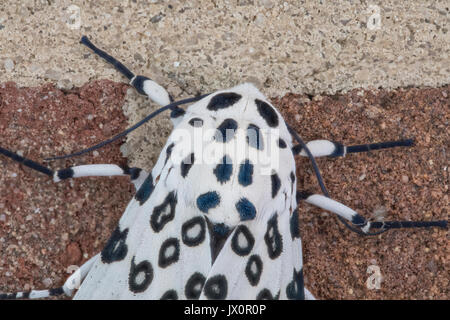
290,46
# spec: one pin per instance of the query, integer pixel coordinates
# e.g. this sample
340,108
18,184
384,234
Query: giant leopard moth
203,218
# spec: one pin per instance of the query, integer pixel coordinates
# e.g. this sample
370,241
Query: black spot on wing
292,177
253,269
170,295
140,276
226,131
296,289
224,170
193,231
276,184
169,252
223,100
243,241
245,176
254,137
186,165
196,122
208,200
273,238
246,209
194,286
177,112
218,235
115,249
163,213
169,151
216,287
265,294
145,190
294,225
267,112
282,144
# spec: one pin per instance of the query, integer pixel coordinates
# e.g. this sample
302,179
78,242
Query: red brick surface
46,227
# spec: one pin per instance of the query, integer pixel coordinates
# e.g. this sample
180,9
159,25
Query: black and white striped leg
137,175
72,283
321,148
143,84
338,208
361,225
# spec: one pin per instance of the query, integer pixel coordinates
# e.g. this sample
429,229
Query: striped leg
142,84
67,289
321,148
345,213
338,208
136,175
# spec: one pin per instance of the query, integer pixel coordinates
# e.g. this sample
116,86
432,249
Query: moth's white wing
166,241
271,269
135,240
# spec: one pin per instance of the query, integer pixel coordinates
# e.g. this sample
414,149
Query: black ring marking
223,100
65,173
273,238
115,249
253,269
56,291
138,84
216,287
142,267
166,260
160,217
267,112
242,233
194,286
296,289
193,240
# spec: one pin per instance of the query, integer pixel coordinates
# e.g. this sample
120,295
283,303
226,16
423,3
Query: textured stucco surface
289,46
